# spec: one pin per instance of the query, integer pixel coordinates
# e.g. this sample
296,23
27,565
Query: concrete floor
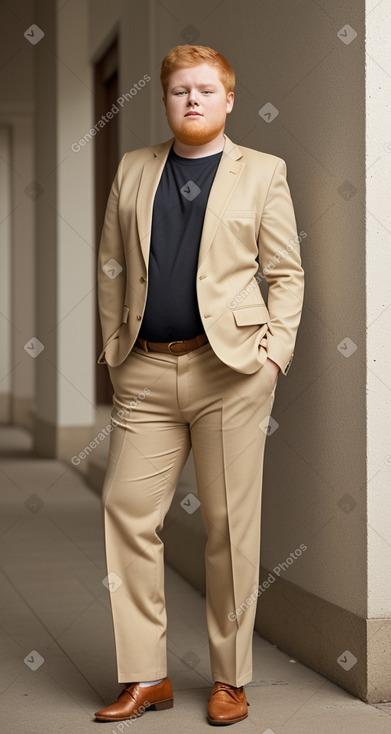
56,637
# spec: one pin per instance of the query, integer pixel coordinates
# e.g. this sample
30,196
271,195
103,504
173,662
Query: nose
192,99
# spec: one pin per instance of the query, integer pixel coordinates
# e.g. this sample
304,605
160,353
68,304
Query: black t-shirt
171,310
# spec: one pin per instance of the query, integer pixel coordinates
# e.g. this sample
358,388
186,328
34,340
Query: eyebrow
206,84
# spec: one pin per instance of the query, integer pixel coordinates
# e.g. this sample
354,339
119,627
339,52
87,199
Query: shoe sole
215,722
158,706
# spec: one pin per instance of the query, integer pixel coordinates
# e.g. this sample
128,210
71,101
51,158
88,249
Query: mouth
193,114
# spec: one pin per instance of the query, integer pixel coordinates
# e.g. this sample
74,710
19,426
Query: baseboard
349,650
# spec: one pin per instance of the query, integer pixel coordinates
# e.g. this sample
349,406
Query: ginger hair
181,57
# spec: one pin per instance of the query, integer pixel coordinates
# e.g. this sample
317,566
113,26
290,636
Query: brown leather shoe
134,700
227,704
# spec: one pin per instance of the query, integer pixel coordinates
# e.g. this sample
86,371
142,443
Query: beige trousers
164,406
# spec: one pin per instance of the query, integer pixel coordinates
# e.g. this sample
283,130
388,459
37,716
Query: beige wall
289,54
318,454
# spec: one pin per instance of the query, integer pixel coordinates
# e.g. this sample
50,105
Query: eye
178,93
207,91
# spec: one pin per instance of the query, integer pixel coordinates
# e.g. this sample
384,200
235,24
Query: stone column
63,345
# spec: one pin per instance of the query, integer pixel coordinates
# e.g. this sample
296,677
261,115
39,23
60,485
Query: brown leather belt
181,346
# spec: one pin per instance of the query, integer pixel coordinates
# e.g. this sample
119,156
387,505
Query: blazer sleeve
280,261
111,266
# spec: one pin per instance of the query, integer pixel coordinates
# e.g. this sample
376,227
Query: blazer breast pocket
239,214
242,223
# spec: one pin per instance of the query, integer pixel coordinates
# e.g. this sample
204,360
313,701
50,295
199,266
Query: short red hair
181,57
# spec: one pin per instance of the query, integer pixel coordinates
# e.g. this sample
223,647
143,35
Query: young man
193,354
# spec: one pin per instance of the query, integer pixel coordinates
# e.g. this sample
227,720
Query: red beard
196,132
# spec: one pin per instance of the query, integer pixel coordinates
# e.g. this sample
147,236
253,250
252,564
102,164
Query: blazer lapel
226,178
150,178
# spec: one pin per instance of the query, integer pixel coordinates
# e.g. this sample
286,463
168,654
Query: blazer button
202,276
143,280
138,317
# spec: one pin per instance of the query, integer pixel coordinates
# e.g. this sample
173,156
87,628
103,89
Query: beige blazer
249,226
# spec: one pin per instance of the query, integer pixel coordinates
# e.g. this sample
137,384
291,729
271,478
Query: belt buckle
179,341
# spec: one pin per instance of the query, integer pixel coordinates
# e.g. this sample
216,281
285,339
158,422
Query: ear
230,102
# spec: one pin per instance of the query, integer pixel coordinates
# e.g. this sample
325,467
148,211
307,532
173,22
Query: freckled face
197,104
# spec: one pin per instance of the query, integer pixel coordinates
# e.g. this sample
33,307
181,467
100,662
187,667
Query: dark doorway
106,162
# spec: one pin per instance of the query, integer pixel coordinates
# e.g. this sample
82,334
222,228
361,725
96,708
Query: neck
199,151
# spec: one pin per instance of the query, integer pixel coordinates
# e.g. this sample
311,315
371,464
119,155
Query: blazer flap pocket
111,339
113,336
249,315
